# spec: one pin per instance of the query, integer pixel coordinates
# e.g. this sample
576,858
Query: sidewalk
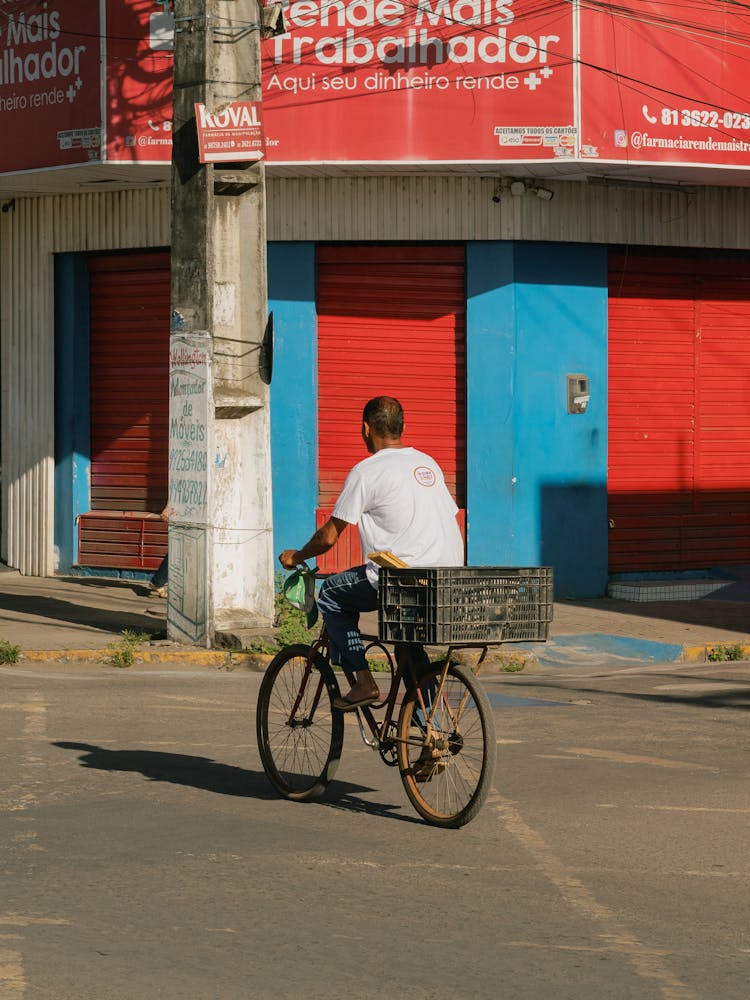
77,618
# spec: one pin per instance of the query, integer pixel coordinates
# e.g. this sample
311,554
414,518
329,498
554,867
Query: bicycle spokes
306,720
299,734
446,746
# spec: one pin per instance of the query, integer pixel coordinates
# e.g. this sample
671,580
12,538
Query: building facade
568,340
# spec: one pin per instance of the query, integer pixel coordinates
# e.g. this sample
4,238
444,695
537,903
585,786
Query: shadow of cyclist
175,768
211,776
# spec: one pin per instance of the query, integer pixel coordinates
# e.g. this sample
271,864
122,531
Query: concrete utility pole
220,542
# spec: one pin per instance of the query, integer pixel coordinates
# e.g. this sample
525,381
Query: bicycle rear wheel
447,776
300,735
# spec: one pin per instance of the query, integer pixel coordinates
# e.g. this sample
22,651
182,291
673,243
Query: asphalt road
145,856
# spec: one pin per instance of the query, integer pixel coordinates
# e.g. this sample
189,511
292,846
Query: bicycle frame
404,671
434,723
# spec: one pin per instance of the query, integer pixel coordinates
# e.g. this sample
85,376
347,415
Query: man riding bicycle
398,498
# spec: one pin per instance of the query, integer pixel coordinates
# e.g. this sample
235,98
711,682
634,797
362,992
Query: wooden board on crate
387,559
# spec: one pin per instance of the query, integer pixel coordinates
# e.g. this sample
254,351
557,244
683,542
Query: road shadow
62,613
221,779
140,588
734,695
341,795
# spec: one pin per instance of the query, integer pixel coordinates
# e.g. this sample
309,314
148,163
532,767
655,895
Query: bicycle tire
299,757
449,787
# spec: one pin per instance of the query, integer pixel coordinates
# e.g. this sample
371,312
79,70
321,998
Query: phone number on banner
687,118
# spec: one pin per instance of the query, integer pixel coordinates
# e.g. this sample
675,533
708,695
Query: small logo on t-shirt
424,476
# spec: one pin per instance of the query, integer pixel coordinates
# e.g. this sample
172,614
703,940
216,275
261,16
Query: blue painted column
72,405
537,474
294,438
490,402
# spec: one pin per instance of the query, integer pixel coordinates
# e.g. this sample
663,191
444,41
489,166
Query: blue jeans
341,599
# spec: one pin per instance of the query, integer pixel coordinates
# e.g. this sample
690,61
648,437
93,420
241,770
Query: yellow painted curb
194,657
50,655
199,657
694,654
251,661
258,662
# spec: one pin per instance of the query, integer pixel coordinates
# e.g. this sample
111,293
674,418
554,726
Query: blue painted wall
72,416
537,476
294,392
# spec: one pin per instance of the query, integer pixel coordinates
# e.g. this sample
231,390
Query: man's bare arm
324,539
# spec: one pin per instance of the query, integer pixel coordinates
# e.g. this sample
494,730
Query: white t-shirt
399,499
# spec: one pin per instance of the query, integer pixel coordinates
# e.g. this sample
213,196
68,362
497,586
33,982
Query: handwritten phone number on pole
694,118
188,491
186,460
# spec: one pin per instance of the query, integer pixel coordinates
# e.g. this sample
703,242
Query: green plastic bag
299,590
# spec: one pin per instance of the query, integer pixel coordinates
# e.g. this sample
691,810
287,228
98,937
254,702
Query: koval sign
234,134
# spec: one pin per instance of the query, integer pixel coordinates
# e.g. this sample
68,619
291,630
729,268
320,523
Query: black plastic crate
465,604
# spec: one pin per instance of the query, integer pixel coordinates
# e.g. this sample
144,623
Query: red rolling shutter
723,405
679,414
129,352
391,321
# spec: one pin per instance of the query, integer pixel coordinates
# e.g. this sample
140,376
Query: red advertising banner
381,81
395,81
234,134
49,84
665,82
139,80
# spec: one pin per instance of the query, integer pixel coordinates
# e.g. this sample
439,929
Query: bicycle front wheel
300,735
447,768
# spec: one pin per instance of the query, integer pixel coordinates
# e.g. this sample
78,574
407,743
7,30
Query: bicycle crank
388,753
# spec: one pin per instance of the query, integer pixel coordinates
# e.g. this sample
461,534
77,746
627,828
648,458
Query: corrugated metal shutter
391,320
679,414
130,296
121,541
722,460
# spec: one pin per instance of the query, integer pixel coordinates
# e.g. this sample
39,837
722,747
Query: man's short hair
385,415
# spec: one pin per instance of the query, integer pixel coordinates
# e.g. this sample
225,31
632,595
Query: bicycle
442,738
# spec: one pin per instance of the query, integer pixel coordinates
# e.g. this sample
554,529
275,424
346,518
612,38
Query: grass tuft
8,652
722,654
123,653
